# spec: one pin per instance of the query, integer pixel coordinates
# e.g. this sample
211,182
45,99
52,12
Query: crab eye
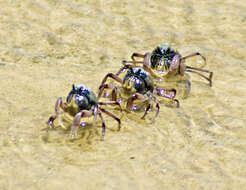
157,62
82,102
160,50
139,85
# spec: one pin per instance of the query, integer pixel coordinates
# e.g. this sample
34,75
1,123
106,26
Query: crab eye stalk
73,87
70,97
155,59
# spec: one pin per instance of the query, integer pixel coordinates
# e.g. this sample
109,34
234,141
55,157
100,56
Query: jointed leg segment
194,70
113,116
76,121
163,93
138,96
59,105
109,86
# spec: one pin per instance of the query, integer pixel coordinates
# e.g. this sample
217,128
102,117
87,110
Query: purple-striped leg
165,93
76,121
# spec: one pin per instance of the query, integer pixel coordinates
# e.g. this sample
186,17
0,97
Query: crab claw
50,122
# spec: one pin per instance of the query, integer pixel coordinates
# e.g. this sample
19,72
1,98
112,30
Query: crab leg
76,121
127,66
114,93
195,54
138,96
137,55
95,113
102,87
146,111
103,126
134,61
145,67
135,96
113,76
162,92
146,58
59,104
190,69
110,103
148,108
157,108
109,86
113,116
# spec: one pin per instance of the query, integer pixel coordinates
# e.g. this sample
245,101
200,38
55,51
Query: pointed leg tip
50,123
124,62
178,104
210,77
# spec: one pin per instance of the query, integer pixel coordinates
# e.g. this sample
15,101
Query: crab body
165,62
82,102
84,98
138,85
138,80
162,59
